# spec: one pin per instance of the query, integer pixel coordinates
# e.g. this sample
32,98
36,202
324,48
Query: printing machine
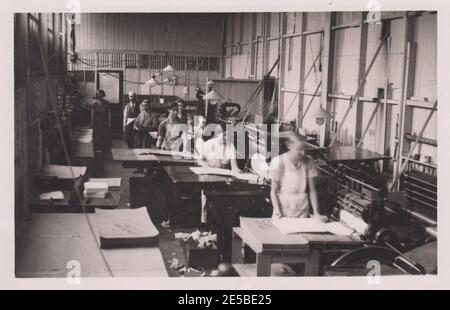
399,227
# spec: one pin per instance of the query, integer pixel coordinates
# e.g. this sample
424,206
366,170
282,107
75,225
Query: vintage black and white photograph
281,143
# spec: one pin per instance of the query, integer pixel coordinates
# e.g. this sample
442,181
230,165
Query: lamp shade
213,95
321,113
152,81
168,68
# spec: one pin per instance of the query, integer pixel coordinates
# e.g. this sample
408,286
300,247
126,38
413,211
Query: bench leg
263,265
312,264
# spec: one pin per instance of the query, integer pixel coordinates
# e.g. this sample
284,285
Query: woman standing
168,134
293,192
101,122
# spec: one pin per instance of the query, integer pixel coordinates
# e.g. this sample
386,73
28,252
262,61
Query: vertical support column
253,54
302,59
281,64
327,73
223,49
361,76
232,44
402,105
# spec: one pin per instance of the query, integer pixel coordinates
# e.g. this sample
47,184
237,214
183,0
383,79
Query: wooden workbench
46,244
352,154
131,158
184,186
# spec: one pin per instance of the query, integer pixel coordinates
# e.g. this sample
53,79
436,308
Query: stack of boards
125,228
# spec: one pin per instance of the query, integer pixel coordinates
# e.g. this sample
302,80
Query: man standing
130,112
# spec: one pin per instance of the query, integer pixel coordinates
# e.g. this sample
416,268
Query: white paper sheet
112,182
210,170
310,225
130,120
62,172
225,172
57,195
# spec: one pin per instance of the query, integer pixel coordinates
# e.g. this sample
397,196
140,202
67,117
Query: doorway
112,83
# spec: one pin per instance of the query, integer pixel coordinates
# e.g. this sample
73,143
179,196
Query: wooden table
47,242
184,187
225,208
70,203
264,259
352,154
131,158
309,254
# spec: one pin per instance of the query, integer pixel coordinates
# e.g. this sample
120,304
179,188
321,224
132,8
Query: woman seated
293,192
146,122
170,136
218,152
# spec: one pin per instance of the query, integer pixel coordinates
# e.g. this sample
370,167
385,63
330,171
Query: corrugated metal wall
191,34
345,72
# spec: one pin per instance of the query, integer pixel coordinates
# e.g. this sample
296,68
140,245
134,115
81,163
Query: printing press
399,228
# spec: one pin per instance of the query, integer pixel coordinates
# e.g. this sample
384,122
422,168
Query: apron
294,205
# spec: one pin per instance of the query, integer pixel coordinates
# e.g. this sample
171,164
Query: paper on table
130,120
310,225
210,170
112,182
57,195
62,172
246,177
165,153
225,172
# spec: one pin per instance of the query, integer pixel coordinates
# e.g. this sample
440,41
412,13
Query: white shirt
217,154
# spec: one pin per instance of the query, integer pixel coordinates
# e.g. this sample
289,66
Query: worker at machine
293,193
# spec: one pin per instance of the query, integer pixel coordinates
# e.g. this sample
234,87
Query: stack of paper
95,189
125,228
225,172
82,135
310,225
57,195
111,182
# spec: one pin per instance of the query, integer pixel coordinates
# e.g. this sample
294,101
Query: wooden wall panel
312,48
425,74
314,21
346,61
377,76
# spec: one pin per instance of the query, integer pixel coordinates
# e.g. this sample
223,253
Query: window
213,64
130,61
143,61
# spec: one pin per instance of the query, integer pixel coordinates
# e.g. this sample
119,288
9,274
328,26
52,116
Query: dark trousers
129,135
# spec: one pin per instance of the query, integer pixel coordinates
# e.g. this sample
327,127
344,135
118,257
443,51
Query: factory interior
345,102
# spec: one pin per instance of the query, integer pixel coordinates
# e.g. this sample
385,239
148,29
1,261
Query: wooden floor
52,241
45,243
